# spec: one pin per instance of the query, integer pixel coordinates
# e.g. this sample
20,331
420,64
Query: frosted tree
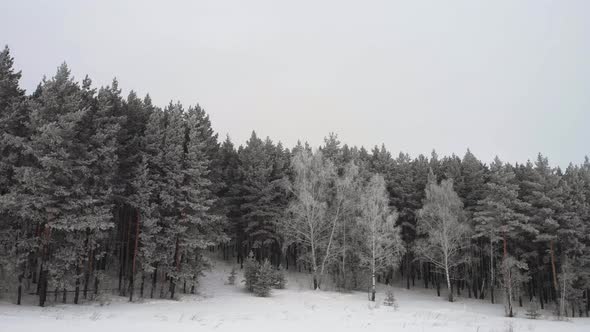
383,245
319,198
203,228
348,191
439,221
514,274
309,224
14,115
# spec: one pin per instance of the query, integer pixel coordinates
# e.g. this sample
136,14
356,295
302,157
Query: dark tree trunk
132,274
96,283
20,289
142,284
77,292
154,281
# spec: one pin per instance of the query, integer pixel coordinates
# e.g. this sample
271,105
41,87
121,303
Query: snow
222,307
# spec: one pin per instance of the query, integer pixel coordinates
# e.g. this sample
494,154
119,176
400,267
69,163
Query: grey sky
500,77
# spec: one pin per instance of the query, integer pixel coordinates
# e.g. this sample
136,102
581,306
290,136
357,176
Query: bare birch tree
315,210
384,247
445,235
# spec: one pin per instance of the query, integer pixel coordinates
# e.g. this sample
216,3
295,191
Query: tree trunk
373,287
77,292
142,285
154,281
96,282
449,285
492,273
132,276
555,287
20,289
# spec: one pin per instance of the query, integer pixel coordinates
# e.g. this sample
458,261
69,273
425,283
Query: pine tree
498,217
14,239
228,195
172,194
262,198
152,253
203,228
539,188
54,190
264,279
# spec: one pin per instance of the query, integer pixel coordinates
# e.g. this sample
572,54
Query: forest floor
222,307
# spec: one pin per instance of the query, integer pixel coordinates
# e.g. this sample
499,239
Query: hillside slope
221,307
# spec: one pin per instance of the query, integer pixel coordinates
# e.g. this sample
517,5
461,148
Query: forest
105,193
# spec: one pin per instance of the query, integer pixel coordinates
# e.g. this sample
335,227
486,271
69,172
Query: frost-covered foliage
101,192
260,278
264,279
532,310
390,299
96,182
440,221
383,245
231,279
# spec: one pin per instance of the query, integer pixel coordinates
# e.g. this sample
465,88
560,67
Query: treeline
98,190
102,191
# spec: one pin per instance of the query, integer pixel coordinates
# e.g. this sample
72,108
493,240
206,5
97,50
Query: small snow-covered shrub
260,278
264,279
231,279
250,271
532,311
390,300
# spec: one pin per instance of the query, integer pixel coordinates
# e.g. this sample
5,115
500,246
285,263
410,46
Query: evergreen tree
54,190
261,195
15,243
147,185
498,217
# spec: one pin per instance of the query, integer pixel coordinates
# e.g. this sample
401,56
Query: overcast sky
499,77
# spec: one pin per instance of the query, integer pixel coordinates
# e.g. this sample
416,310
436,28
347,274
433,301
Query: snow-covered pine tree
54,191
152,254
228,195
171,194
261,193
15,242
204,227
571,236
539,188
138,188
106,121
498,217
264,279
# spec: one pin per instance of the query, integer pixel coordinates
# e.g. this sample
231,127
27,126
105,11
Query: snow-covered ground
221,307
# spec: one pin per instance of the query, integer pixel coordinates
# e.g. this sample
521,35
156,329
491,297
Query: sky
508,78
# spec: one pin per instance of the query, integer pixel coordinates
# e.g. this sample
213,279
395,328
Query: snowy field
221,307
